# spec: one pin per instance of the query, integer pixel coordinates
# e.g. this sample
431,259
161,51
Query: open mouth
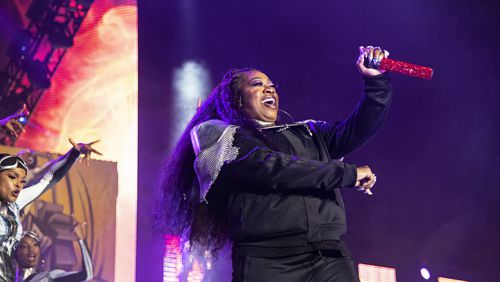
270,102
16,193
31,257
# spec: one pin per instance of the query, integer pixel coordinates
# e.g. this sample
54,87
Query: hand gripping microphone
400,67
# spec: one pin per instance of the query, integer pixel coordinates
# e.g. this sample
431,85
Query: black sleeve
62,165
368,116
258,167
74,277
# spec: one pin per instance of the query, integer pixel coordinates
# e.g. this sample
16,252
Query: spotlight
425,273
190,82
23,120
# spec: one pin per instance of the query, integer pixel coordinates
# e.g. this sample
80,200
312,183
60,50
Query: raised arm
368,116
57,170
86,274
11,128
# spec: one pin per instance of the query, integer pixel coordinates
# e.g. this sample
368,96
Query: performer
273,190
27,260
14,198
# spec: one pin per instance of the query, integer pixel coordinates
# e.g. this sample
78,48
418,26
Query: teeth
269,100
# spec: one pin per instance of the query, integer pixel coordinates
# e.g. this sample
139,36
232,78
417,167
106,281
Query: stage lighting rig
36,51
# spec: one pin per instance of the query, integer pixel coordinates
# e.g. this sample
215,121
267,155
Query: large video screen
93,96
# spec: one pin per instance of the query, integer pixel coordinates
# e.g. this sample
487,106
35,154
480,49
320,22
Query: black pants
308,267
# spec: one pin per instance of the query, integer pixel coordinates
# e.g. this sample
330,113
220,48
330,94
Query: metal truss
37,51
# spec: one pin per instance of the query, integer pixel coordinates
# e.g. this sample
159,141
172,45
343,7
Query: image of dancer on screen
14,196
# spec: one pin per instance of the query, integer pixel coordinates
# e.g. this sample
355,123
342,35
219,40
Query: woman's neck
264,123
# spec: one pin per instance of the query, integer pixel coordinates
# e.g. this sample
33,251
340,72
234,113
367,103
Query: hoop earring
292,120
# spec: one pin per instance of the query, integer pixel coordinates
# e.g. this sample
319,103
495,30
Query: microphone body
405,68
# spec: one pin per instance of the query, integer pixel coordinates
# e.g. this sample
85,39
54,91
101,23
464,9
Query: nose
269,89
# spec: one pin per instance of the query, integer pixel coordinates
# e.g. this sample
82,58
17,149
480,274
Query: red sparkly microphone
373,60
405,68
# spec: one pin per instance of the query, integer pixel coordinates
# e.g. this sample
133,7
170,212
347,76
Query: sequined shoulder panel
213,145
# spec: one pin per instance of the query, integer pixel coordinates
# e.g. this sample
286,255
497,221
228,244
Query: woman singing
272,190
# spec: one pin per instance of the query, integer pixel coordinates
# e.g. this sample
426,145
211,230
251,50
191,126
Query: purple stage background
437,201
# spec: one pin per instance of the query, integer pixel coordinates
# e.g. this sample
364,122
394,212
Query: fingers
83,229
361,59
369,53
79,229
17,125
14,127
95,151
373,54
369,185
11,126
198,103
93,142
366,179
378,56
85,149
73,143
23,110
369,60
369,182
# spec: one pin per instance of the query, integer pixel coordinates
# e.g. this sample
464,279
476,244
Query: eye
257,83
23,182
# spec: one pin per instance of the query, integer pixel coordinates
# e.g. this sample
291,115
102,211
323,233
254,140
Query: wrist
350,175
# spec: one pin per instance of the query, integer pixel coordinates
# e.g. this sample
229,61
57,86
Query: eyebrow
258,77
17,175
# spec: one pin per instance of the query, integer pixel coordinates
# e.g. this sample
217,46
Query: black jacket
290,197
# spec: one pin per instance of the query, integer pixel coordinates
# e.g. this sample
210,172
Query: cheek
250,102
3,190
6,186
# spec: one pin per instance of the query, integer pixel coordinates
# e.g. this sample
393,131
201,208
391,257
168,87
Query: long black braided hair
179,211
